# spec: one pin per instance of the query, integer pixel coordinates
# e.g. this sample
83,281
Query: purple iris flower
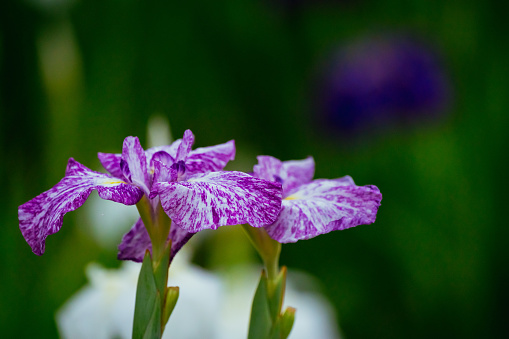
313,207
189,184
383,80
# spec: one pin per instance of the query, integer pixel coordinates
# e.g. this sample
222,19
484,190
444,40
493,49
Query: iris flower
188,184
313,207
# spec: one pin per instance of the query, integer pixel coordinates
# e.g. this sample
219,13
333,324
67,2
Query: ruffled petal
291,174
185,146
134,157
268,168
323,206
170,149
210,159
161,173
296,173
111,162
137,241
44,214
163,157
218,199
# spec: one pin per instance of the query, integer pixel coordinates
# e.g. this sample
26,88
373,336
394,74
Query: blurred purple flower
299,5
381,81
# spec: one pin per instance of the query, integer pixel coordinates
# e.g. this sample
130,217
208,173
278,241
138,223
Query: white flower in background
104,309
209,306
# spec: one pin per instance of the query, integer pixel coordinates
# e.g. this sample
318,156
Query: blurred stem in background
61,68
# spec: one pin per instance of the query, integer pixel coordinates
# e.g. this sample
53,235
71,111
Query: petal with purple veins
185,146
323,206
179,237
43,215
297,172
161,173
207,201
163,157
134,157
170,149
268,168
210,159
290,174
137,241
111,162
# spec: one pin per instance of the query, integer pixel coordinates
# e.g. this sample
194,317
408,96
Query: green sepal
161,270
147,313
286,322
260,323
275,332
172,295
276,294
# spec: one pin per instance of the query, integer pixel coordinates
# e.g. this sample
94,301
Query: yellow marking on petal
113,182
292,197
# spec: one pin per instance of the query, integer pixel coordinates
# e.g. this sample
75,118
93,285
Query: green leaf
260,323
153,329
275,332
148,303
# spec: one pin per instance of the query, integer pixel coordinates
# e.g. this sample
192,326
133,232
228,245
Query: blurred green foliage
76,78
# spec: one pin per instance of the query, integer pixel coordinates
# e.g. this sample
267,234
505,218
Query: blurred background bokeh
411,96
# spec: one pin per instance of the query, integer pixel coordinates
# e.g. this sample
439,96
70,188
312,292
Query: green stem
158,225
268,249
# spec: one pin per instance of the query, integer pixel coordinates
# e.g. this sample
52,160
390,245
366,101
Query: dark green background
434,265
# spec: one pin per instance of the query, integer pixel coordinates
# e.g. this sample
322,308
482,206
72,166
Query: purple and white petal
323,206
170,149
135,242
43,215
207,201
108,187
134,157
163,157
291,174
185,146
210,159
297,172
268,168
111,162
179,237
161,173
